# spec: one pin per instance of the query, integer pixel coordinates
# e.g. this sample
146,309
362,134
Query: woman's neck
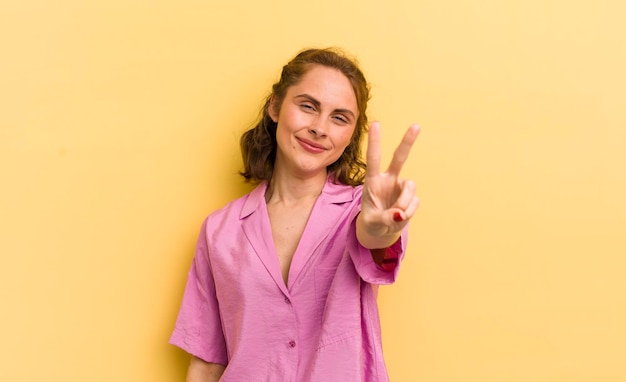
289,190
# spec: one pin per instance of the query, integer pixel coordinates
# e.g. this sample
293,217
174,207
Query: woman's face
315,122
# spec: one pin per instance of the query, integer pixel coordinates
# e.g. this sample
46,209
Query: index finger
402,151
373,150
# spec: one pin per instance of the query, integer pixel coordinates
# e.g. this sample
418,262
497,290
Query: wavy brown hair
258,144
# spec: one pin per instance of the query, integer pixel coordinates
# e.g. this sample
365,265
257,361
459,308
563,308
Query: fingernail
397,217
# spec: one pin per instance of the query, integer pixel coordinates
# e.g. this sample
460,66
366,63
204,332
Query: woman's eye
341,119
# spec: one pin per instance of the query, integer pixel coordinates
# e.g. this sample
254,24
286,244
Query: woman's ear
272,110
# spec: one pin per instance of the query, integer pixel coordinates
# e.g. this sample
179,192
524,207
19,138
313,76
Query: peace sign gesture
388,202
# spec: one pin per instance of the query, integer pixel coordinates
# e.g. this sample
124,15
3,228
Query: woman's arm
201,371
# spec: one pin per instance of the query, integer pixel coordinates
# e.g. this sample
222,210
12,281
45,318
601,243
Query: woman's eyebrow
317,103
309,98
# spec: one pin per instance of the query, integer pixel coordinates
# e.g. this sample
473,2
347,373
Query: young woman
284,280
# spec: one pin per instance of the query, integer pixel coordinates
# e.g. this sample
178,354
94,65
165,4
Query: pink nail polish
397,217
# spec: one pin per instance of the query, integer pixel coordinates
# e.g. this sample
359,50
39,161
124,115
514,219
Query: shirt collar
332,193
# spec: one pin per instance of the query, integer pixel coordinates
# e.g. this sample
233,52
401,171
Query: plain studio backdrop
119,127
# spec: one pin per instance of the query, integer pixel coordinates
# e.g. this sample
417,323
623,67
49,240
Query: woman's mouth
310,146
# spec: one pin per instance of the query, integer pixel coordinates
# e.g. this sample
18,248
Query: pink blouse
322,326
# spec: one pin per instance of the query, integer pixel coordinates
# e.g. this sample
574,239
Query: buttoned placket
291,337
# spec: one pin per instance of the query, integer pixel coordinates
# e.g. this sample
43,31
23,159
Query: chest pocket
323,279
339,292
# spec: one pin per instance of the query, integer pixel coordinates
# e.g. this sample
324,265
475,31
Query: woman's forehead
328,86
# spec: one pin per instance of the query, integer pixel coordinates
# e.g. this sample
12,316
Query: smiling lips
311,147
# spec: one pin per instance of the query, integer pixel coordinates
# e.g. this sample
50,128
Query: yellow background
119,126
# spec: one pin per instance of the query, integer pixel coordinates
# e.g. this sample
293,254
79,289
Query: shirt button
292,344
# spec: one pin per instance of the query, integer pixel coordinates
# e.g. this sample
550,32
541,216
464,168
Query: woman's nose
319,128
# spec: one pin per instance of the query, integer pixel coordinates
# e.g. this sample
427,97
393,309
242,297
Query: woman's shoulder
237,208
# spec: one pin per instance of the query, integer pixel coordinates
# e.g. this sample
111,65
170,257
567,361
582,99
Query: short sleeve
363,261
198,328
